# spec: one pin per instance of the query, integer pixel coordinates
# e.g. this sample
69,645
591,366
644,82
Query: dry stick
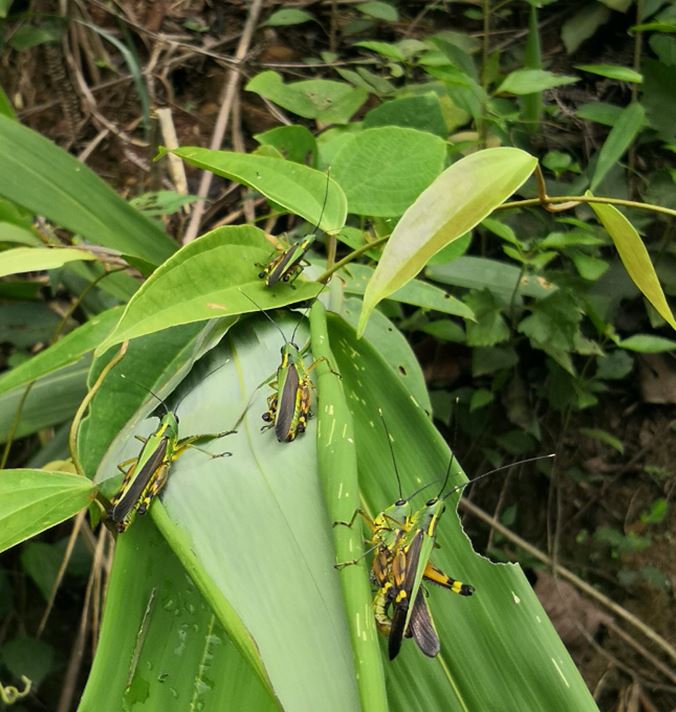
222,120
77,524
176,165
66,698
641,650
239,146
575,580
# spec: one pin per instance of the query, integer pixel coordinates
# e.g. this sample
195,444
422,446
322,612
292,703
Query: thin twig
75,662
623,613
77,524
222,120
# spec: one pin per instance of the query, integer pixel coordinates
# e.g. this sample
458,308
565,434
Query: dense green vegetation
483,196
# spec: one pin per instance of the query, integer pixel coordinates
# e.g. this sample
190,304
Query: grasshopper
389,569
147,473
412,558
289,406
288,264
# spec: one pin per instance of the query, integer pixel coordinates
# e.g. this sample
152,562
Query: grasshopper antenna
394,461
326,198
454,419
147,390
267,316
498,469
304,315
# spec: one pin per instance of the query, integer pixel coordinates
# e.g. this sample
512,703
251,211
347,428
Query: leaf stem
348,258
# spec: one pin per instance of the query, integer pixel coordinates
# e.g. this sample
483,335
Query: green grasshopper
147,474
288,264
289,406
388,570
411,560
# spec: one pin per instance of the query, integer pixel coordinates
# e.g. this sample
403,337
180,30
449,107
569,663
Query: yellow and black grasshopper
411,560
147,473
396,554
289,406
287,265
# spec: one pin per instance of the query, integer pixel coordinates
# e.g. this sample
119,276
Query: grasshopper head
170,421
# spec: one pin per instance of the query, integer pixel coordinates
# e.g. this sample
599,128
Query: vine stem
72,435
577,199
562,202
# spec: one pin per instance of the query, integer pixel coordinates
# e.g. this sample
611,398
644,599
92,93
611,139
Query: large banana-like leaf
253,532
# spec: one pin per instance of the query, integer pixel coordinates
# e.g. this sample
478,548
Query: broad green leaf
588,266
635,257
322,99
157,362
490,326
612,71
503,622
41,561
442,329
422,112
501,278
601,112
11,233
252,529
48,181
648,344
379,10
6,108
30,657
288,16
530,81
65,351
618,141
295,143
419,293
297,188
387,340
603,436
27,323
460,198
383,170
208,278
155,619
34,500
385,49
582,25
34,259
52,400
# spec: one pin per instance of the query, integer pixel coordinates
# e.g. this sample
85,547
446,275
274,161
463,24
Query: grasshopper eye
400,503
261,275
